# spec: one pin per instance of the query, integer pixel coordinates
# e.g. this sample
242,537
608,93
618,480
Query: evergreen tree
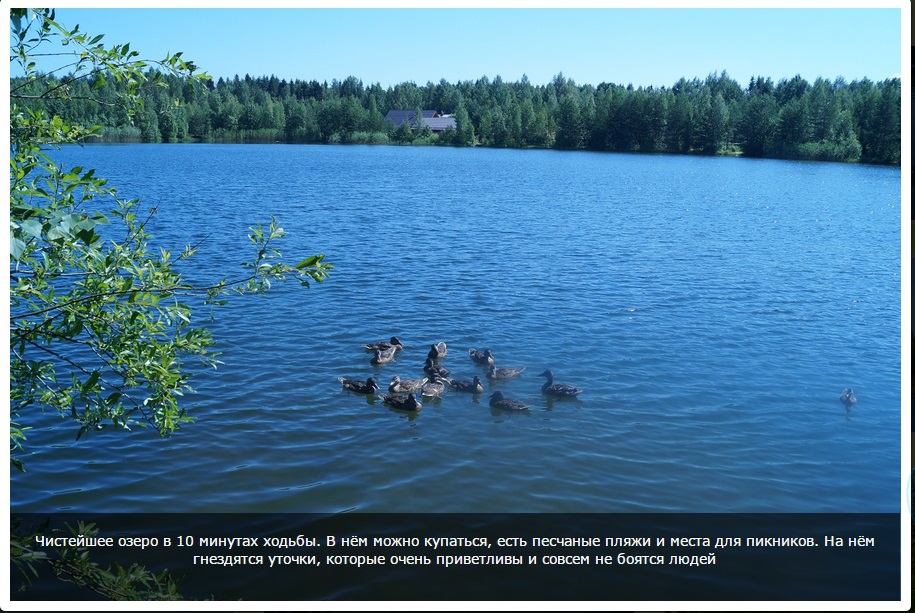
465,136
569,125
759,124
713,122
680,125
420,127
793,126
404,132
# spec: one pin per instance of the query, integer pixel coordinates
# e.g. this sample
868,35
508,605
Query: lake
713,309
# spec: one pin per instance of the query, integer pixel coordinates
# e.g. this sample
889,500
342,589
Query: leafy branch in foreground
90,60
71,563
101,325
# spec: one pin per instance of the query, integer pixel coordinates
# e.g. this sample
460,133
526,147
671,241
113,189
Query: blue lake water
713,310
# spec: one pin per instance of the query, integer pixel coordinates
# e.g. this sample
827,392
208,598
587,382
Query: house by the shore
436,121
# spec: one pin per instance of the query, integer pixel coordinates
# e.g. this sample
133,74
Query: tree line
835,120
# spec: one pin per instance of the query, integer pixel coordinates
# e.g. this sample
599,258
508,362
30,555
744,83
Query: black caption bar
467,557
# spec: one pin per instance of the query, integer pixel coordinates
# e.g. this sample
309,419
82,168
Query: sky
642,47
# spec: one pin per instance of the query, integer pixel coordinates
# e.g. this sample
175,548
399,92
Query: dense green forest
823,120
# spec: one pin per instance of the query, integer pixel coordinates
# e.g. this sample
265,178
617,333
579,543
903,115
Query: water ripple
712,313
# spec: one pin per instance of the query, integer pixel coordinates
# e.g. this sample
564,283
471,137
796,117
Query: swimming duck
848,397
438,351
483,358
503,373
463,385
434,388
435,370
499,401
557,389
405,386
383,356
369,386
404,403
383,345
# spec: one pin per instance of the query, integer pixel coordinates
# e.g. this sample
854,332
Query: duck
383,345
438,351
383,356
369,386
403,403
848,397
434,388
463,385
435,370
503,373
483,358
405,386
499,401
558,389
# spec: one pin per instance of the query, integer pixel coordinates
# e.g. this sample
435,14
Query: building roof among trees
433,119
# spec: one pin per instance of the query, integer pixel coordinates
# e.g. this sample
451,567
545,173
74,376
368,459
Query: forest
825,120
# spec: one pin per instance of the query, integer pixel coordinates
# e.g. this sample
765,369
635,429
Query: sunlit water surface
713,310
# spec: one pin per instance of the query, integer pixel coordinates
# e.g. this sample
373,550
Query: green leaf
58,233
31,227
91,381
17,248
309,262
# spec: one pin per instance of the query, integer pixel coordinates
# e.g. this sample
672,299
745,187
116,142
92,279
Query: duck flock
404,393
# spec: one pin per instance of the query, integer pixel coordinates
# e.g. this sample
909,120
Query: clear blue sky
388,46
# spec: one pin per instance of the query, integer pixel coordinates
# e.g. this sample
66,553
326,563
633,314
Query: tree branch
156,290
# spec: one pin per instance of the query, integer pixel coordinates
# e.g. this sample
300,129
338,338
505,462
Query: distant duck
438,351
434,370
848,397
405,386
403,403
434,388
463,385
557,389
369,386
383,356
384,345
503,373
483,358
499,401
